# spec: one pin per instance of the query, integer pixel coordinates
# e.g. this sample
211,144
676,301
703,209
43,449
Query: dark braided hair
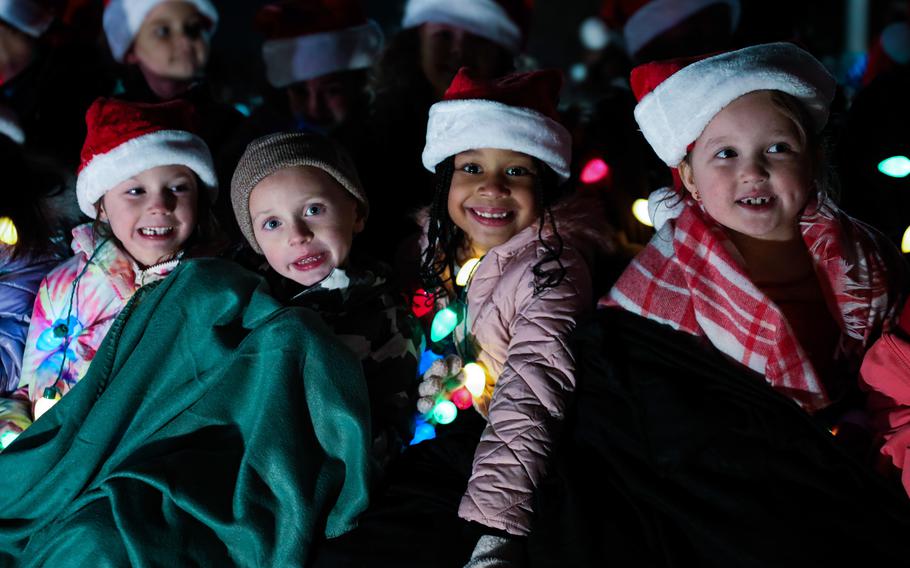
444,237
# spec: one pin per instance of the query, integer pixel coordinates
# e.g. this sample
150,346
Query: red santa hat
678,98
125,139
891,50
643,21
31,17
123,18
505,22
516,112
311,38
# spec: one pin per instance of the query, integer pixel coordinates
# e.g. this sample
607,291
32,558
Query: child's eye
162,32
314,210
271,224
471,169
725,154
518,171
135,191
779,147
180,188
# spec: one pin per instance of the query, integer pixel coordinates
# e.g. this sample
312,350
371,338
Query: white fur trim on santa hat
675,113
160,148
296,59
27,16
10,127
460,125
659,16
896,42
485,18
123,18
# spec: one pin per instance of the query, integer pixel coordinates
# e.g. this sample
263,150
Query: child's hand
435,380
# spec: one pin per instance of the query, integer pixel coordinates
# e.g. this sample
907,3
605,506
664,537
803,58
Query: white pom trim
674,114
123,18
27,16
291,60
161,148
484,18
659,16
460,125
664,204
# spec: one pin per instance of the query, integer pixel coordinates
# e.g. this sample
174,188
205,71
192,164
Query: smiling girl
146,181
759,260
500,156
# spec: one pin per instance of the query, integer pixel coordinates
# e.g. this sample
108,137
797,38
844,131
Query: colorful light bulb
422,303
475,379
594,171
443,324
7,438
462,399
640,210
466,271
426,360
423,431
905,242
445,412
895,166
8,233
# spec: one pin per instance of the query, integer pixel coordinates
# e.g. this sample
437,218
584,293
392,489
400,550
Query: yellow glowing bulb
905,242
464,275
8,233
640,210
475,379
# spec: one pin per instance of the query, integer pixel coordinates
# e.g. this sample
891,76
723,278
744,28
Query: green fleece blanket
214,428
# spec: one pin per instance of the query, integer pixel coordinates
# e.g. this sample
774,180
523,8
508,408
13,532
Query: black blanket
676,456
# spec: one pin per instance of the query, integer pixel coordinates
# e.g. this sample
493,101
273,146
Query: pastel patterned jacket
76,304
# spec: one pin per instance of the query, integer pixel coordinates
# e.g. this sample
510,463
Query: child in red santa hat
751,253
167,40
500,156
437,38
318,53
659,29
147,182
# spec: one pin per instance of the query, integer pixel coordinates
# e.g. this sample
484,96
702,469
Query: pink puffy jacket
886,374
521,341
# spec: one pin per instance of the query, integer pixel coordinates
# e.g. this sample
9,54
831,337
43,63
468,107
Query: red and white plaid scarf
688,279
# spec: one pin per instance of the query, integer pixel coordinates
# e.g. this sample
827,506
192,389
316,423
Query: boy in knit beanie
299,202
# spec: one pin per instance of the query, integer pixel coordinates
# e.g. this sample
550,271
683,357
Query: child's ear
99,209
130,57
688,178
360,223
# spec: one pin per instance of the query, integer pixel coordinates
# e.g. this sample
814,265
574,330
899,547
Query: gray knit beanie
269,154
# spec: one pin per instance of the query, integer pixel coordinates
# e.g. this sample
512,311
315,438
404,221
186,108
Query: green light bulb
895,166
443,324
445,412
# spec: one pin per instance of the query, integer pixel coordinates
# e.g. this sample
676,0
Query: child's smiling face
752,169
492,196
153,213
304,221
172,42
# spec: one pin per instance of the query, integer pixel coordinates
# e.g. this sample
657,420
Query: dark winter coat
19,281
360,305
